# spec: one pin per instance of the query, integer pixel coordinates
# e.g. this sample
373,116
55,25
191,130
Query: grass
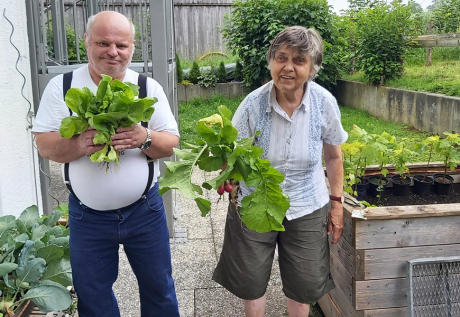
210,60
442,77
191,112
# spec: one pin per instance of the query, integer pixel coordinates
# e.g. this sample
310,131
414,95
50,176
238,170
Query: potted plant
34,262
422,183
448,148
376,149
354,168
401,156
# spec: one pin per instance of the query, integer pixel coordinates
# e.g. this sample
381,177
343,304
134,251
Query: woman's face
289,70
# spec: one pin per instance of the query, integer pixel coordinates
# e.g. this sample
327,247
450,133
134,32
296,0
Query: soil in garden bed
388,199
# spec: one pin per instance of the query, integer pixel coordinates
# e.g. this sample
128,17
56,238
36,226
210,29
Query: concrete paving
195,249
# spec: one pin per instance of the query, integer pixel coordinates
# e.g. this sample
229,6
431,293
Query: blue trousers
95,237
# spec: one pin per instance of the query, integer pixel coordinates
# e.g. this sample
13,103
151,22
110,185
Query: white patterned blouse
293,145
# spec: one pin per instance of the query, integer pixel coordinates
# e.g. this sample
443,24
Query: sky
338,5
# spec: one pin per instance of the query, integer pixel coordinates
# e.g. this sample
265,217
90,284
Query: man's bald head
103,17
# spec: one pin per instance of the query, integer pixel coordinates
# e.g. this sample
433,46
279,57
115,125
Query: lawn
191,112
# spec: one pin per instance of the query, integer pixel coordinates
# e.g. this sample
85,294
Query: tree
221,73
180,71
194,73
253,24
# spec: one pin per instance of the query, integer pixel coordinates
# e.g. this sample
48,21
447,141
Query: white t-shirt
96,186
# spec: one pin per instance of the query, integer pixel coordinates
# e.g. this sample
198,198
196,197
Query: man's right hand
85,142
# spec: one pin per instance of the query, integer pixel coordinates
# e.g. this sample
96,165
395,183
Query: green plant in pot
34,262
448,148
376,149
422,183
400,156
354,168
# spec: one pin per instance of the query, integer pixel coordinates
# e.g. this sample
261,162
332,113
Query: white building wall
19,185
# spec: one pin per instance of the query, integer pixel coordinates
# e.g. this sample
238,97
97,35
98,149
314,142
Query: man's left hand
129,138
335,224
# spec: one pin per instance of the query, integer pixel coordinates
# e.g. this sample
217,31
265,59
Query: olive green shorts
246,260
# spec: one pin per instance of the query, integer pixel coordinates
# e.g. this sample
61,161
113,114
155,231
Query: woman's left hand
335,224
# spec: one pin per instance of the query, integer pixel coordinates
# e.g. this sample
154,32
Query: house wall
18,168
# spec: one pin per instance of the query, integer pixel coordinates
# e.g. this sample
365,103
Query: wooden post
429,50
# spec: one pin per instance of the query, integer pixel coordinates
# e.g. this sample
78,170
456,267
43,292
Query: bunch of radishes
225,187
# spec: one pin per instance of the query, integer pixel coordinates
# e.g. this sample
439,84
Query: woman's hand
335,224
129,138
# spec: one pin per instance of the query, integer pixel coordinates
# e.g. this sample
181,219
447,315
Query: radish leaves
265,208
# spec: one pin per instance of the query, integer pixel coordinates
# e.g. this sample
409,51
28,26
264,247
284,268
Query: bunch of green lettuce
114,105
265,208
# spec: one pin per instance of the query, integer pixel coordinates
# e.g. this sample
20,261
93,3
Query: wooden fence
197,25
196,22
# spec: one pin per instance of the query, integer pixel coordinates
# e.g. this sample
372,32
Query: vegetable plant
264,209
114,105
448,148
354,166
34,262
400,156
427,144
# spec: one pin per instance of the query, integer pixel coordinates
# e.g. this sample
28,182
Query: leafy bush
446,16
180,71
194,73
254,24
382,42
221,73
238,71
34,262
208,78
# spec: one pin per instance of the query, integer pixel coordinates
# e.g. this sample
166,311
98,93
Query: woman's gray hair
90,22
307,41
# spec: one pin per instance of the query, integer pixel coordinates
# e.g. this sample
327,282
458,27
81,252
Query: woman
298,120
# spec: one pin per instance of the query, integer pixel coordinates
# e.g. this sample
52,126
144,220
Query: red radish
228,188
221,190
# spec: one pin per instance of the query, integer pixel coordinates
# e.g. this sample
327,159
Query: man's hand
85,142
335,224
129,138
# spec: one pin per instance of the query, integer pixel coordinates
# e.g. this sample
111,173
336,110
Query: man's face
110,47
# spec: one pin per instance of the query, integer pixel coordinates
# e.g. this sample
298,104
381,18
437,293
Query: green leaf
32,271
50,253
38,232
29,216
71,126
6,268
49,296
59,271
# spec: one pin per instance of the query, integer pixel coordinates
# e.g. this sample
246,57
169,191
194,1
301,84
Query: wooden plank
398,233
328,307
415,211
438,40
342,279
387,312
349,257
343,305
348,225
392,262
377,294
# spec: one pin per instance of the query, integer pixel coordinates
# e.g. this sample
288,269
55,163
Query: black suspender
66,85
142,83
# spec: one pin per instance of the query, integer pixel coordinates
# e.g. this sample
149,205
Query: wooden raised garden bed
369,264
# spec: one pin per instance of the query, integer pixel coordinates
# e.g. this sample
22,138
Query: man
108,207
